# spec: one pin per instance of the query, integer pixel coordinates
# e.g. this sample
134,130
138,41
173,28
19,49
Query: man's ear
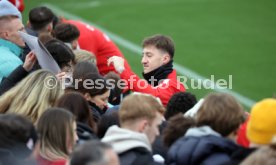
166,58
50,28
4,35
142,125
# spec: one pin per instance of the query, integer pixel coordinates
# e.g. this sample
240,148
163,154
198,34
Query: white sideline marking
83,5
137,49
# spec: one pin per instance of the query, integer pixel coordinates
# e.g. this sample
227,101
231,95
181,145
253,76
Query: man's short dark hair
180,102
39,17
60,52
162,42
66,32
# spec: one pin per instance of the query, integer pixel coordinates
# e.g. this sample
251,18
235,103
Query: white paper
45,59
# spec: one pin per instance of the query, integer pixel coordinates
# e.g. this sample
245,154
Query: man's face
152,130
152,58
13,34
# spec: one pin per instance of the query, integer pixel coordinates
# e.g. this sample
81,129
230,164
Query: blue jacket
9,58
201,146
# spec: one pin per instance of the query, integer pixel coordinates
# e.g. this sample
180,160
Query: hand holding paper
45,60
29,61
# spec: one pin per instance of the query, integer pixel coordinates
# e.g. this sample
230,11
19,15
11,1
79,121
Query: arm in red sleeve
164,90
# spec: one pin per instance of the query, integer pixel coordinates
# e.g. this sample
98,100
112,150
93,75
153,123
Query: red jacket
19,4
42,161
241,137
98,43
164,90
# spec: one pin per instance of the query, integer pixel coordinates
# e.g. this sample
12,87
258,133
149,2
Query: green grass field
212,37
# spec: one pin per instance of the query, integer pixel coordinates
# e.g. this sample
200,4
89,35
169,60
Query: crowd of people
97,111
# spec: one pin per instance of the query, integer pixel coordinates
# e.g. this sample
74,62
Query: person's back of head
84,55
221,112
162,42
176,128
32,95
76,104
180,102
266,155
106,121
68,34
17,138
56,128
62,54
15,130
141,113
94,153
41,19
83,68
261,125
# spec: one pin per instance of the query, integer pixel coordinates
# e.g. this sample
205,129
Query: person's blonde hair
83,55
139,106
31,97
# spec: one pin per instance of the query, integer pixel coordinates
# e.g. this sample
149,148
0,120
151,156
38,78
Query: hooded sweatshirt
123,140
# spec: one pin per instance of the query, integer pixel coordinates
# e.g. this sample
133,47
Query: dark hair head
180,102
176,128
66,32
106,121
39,17
76,103
60,52
92,83
91,152
82,68
161,42
16,131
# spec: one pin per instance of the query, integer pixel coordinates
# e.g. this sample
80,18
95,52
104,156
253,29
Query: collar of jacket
158,74
98,109
11,46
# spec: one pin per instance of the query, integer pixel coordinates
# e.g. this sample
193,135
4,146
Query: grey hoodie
201,131
123,139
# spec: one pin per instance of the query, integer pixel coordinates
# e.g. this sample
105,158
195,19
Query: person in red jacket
19,4
98,43
160,79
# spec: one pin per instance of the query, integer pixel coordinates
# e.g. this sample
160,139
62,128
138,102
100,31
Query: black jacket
96,111
201,146
158,146
85,132
8,82
137,156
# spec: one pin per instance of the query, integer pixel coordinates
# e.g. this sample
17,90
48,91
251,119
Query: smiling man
160,79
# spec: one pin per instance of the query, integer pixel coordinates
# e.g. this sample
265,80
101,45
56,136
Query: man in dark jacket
212,141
